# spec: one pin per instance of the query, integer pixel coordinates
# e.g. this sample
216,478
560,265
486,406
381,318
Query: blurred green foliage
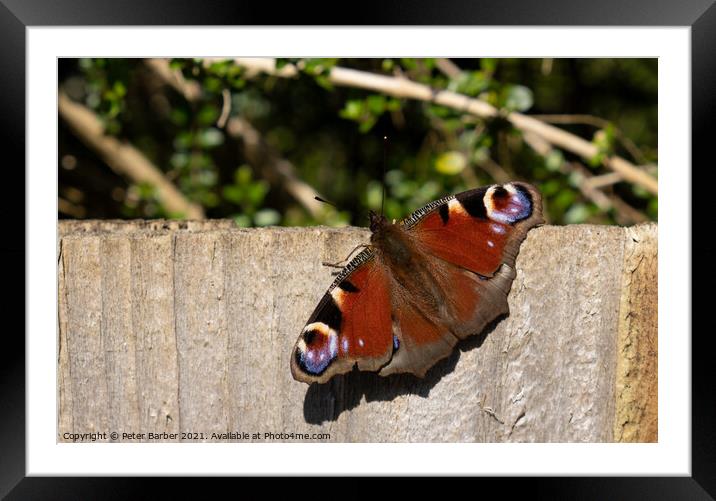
333,136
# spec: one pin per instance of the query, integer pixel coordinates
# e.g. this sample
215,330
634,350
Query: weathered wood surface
188,327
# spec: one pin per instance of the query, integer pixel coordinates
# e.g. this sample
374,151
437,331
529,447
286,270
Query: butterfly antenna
325,201
385,154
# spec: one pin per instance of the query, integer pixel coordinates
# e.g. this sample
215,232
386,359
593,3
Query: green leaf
376,104
439,111
408,63
405,189
267,217
471,83
233,194
374,195
213,84
450,163
179,160
242,220
211,137
208,114
640,191
119,89
324,82
488,64
550,188
256,192
596,160
183,140
352,110
210,199
179,117
518,98
576,214
554,160
563,200
393,104
242,176
366,124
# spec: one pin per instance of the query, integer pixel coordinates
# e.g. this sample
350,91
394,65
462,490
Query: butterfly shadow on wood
326,402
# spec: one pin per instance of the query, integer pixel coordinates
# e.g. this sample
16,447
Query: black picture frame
17,15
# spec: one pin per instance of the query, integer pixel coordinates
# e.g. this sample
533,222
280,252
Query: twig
629,214
124,158
603,180
599,198
447,67
258,152
495,170
225,108
403,88
573,119
189,89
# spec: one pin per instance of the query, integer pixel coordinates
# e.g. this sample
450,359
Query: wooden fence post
187,327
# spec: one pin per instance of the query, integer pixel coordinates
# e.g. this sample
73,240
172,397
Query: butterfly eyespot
317,349
309,337
508,204
500,192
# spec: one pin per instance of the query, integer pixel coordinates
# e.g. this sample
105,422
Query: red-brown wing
421,340
469,243
478,229
469,302
351,324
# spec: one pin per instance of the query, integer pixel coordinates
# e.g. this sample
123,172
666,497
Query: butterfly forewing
352,324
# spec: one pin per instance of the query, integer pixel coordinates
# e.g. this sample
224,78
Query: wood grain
187,327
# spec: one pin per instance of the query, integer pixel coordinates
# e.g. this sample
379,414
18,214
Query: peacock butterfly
422,284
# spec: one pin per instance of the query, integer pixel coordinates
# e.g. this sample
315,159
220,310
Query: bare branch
403,88
447,67
124,158
603,180
225,108
495,170
189,89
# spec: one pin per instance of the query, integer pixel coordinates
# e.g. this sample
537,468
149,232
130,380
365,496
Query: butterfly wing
469,243
480,229
351,324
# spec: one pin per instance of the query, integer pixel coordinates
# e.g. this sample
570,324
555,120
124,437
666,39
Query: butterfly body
422,284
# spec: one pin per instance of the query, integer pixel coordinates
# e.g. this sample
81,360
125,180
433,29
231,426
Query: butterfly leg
341,264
